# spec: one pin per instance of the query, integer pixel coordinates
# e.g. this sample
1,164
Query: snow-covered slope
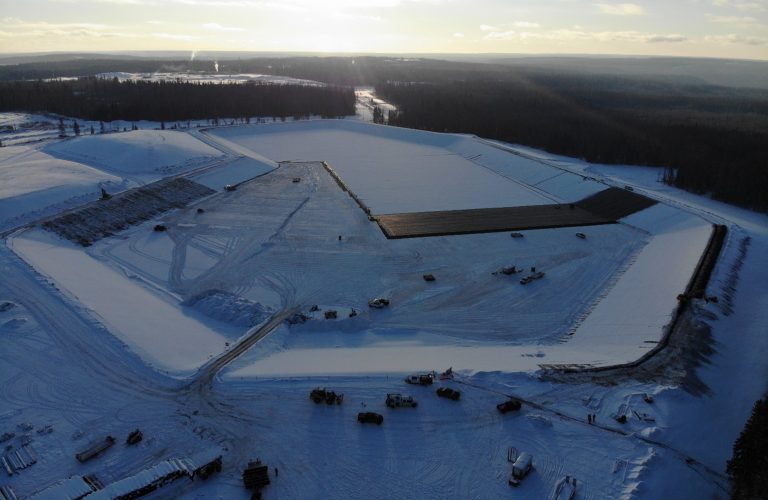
32,183
153,153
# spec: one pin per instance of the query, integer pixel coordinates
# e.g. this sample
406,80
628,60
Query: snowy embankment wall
156,329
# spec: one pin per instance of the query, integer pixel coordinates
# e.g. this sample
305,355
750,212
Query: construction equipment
532,277
134,437
448,393
369,417
256,475
428,277
510,405
95,449
320,394
419,379
400,401
521,468
516,235
447,374
378,303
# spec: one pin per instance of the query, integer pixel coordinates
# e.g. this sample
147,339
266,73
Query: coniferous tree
748,468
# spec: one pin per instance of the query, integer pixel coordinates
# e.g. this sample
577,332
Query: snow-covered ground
143,154
392,170
84,333
32,181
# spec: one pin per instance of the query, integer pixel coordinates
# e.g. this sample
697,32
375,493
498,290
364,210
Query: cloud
458,35
738,20
620,9
526,24
737,39
571,35
743,5
500,35
488,27
220,28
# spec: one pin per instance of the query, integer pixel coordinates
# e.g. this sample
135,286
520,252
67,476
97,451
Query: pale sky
708,28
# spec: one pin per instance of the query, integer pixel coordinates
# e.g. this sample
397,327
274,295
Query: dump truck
448,393
400,401
521,468
321,394
369,417
419,379
510,405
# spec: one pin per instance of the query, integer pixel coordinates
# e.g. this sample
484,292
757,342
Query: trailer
95,449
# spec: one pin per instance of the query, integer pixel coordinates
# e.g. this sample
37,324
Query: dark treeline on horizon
710,141
109,99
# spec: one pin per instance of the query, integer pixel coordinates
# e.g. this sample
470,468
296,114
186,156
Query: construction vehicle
400,401
95,449
448,393
447,374
331,314
320,394
369,417
429,277
378,303
296,180
510,405
532,277
521,468
516,235
256,475
134,437
230,187
419,379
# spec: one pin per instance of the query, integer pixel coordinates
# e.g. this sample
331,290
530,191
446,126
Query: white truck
400,401
521,468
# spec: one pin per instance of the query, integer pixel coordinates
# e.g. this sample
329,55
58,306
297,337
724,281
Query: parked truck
400,401
521,468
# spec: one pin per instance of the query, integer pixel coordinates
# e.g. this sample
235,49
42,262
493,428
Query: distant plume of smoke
216,66
192,56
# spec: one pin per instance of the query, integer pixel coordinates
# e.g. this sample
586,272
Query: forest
710,140
109,99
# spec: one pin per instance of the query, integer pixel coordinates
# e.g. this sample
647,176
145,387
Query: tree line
709,139
109,99
748,468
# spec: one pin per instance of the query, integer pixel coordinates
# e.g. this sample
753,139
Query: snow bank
137,152
31,181
157,330
229,308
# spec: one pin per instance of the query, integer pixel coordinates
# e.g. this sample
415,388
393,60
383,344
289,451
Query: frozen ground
142,154
275,242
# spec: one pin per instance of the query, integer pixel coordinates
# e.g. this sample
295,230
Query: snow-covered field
120,335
